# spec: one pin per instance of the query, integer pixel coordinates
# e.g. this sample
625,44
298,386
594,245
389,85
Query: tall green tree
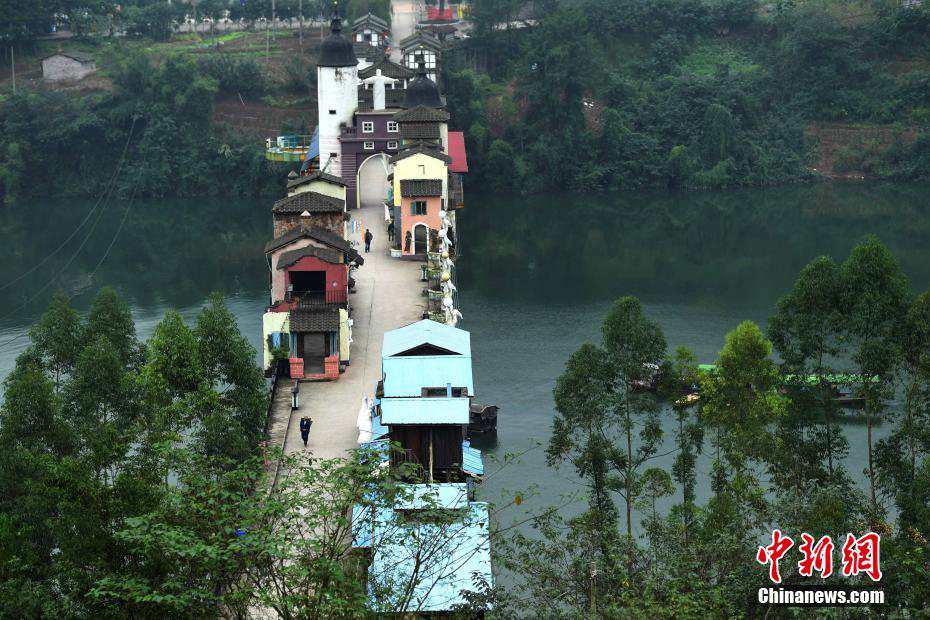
875,298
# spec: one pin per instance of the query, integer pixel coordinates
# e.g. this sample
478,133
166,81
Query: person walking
305,424
368,238
407,239
390,231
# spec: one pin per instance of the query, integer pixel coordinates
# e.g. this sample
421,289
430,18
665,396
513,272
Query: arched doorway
371,181
420,239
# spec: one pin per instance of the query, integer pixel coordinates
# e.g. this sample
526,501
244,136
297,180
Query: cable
109,188
83,243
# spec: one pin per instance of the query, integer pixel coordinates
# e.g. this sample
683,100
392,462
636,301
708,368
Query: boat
649,383
688,399
482,419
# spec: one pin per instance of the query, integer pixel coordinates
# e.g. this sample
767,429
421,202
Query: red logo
773,553
860,555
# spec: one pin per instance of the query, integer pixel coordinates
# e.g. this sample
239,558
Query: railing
318,299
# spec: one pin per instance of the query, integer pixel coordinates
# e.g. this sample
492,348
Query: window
368,127
418,207
333,155
392,126
369,146
392,145
422,169
332,111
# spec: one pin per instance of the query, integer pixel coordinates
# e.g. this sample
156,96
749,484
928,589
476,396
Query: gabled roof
407,338
319,175
423,38
324,254
424,149
313,202
420,410
369,20
447,558
367,51
314,320
457,152
388,68
416,188
319,234
408,376
78,56
440,496
422,114
420,131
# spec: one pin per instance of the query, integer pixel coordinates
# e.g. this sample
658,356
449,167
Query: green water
536,276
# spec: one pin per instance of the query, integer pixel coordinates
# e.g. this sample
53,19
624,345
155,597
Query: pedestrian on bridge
305,424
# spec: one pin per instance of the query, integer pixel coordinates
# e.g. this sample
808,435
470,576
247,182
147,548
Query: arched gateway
371,180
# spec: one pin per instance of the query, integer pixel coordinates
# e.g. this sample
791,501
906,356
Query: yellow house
319,182
420,163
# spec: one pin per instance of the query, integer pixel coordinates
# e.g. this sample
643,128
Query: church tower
337,93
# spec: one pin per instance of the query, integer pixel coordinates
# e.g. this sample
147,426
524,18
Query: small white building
423,49
67,66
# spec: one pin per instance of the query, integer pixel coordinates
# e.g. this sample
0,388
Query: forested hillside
711,93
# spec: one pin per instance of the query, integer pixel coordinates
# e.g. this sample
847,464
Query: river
536,277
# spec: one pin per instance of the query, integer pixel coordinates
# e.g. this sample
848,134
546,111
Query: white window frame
368,126
392,145
393,126
369,146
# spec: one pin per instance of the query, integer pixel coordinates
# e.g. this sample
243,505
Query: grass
708,54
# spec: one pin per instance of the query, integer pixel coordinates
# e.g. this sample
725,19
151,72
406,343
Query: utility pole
300,23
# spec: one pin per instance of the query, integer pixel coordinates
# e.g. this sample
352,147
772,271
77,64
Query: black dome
422,91
336,50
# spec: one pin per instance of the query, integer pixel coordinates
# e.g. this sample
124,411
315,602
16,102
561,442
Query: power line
108,190
84,241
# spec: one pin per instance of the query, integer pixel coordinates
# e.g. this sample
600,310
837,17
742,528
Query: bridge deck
388,295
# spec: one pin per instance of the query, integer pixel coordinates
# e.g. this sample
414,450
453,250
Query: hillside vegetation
712,93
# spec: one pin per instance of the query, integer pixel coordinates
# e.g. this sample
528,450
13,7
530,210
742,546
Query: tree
806,331
875,297
597,405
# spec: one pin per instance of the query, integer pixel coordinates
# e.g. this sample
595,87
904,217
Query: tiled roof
312,232
369,19
367,51
415,188
314,320
388,68
420,131
78,56
427,40
425,149
309,201
316,176
289,258
393,98
422,114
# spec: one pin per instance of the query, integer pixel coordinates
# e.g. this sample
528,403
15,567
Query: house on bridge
423,401
308,316
372,30
424,397
422,48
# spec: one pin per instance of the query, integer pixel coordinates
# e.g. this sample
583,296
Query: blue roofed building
421,561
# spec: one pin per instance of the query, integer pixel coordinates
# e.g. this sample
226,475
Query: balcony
318,299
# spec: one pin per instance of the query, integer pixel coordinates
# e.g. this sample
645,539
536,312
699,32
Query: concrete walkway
403,23
388,295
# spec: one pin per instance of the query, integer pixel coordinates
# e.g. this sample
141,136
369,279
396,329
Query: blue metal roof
419,410
377,428
407,376
438,496
446,557
472,462
426,332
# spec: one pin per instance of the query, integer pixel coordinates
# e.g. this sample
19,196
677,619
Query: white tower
337,93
